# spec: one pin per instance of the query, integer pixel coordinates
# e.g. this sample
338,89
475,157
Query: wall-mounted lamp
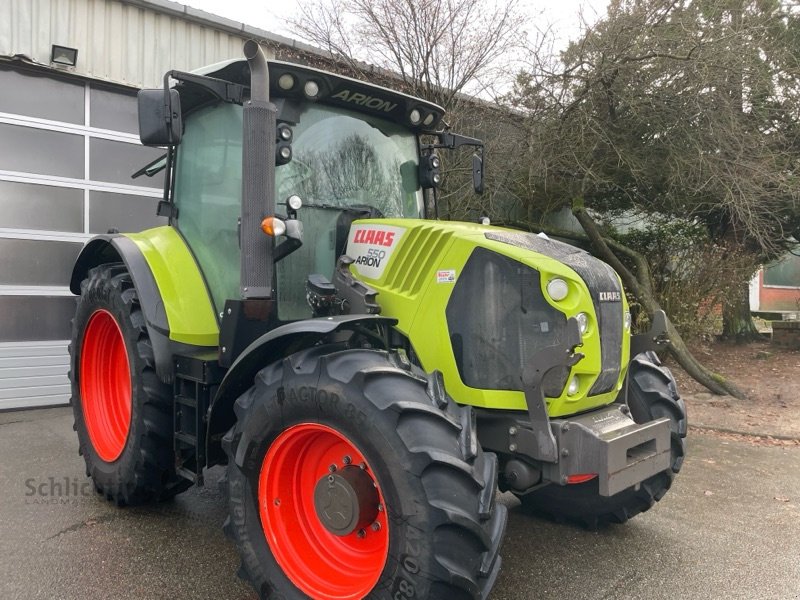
61,55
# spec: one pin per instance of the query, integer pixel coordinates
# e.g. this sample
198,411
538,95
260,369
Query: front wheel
652,394
349,476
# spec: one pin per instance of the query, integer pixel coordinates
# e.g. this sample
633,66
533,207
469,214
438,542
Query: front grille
610,317
599,277
498,320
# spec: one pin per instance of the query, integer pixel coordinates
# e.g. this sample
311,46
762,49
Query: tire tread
441,450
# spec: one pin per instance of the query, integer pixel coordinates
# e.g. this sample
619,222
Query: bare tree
437,48
352,169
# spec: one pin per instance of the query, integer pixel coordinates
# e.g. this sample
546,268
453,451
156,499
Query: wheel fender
118,248
275,345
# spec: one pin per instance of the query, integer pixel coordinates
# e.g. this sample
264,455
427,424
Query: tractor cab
344,150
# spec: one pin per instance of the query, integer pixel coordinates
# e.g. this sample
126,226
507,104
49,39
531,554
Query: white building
68,146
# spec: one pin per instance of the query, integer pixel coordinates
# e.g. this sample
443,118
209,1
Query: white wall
132,43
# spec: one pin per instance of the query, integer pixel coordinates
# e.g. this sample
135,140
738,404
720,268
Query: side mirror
160,117
477,173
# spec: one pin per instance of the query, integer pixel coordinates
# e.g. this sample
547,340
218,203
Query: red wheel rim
318,562
105,385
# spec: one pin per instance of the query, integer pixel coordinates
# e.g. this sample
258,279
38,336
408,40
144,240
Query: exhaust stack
258,179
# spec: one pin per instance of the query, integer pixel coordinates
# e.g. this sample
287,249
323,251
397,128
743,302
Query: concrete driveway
729,528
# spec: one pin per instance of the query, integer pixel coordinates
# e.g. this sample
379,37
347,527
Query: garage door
67,149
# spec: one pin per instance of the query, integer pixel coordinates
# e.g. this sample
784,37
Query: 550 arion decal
371,247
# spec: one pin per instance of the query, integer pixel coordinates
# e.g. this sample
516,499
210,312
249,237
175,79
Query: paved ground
730,528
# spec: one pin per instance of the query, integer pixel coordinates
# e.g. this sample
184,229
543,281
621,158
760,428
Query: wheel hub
346,500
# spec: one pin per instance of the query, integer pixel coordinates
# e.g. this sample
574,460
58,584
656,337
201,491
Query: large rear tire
123,412
414,515
652,394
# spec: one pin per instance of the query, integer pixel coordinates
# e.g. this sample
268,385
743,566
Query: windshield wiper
152,168
353,208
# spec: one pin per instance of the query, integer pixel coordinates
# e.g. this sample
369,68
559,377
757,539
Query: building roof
130,42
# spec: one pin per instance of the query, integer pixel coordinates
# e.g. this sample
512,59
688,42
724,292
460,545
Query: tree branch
713,381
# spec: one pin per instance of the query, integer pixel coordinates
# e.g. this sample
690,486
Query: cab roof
294,81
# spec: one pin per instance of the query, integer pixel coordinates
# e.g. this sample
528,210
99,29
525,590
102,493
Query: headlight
294,202
286,81
311,88
557,289
285,132
627,321
574,386
583,322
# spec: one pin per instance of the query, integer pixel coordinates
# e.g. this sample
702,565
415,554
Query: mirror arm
451,141
166,208
222,90
168,107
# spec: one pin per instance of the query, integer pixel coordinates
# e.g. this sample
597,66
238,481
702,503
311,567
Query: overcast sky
561,15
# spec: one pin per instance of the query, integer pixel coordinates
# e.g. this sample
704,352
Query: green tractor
368,378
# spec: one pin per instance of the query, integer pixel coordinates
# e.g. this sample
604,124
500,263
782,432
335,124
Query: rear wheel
350,477
122,410
652,394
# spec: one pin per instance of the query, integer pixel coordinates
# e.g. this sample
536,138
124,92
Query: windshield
343,167
340,160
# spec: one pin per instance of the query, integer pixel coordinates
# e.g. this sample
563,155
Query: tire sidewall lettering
326,401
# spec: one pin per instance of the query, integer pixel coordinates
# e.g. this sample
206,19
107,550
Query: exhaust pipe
259,73
258,179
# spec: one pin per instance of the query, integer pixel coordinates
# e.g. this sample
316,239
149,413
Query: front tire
123,412
652,394
414,516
